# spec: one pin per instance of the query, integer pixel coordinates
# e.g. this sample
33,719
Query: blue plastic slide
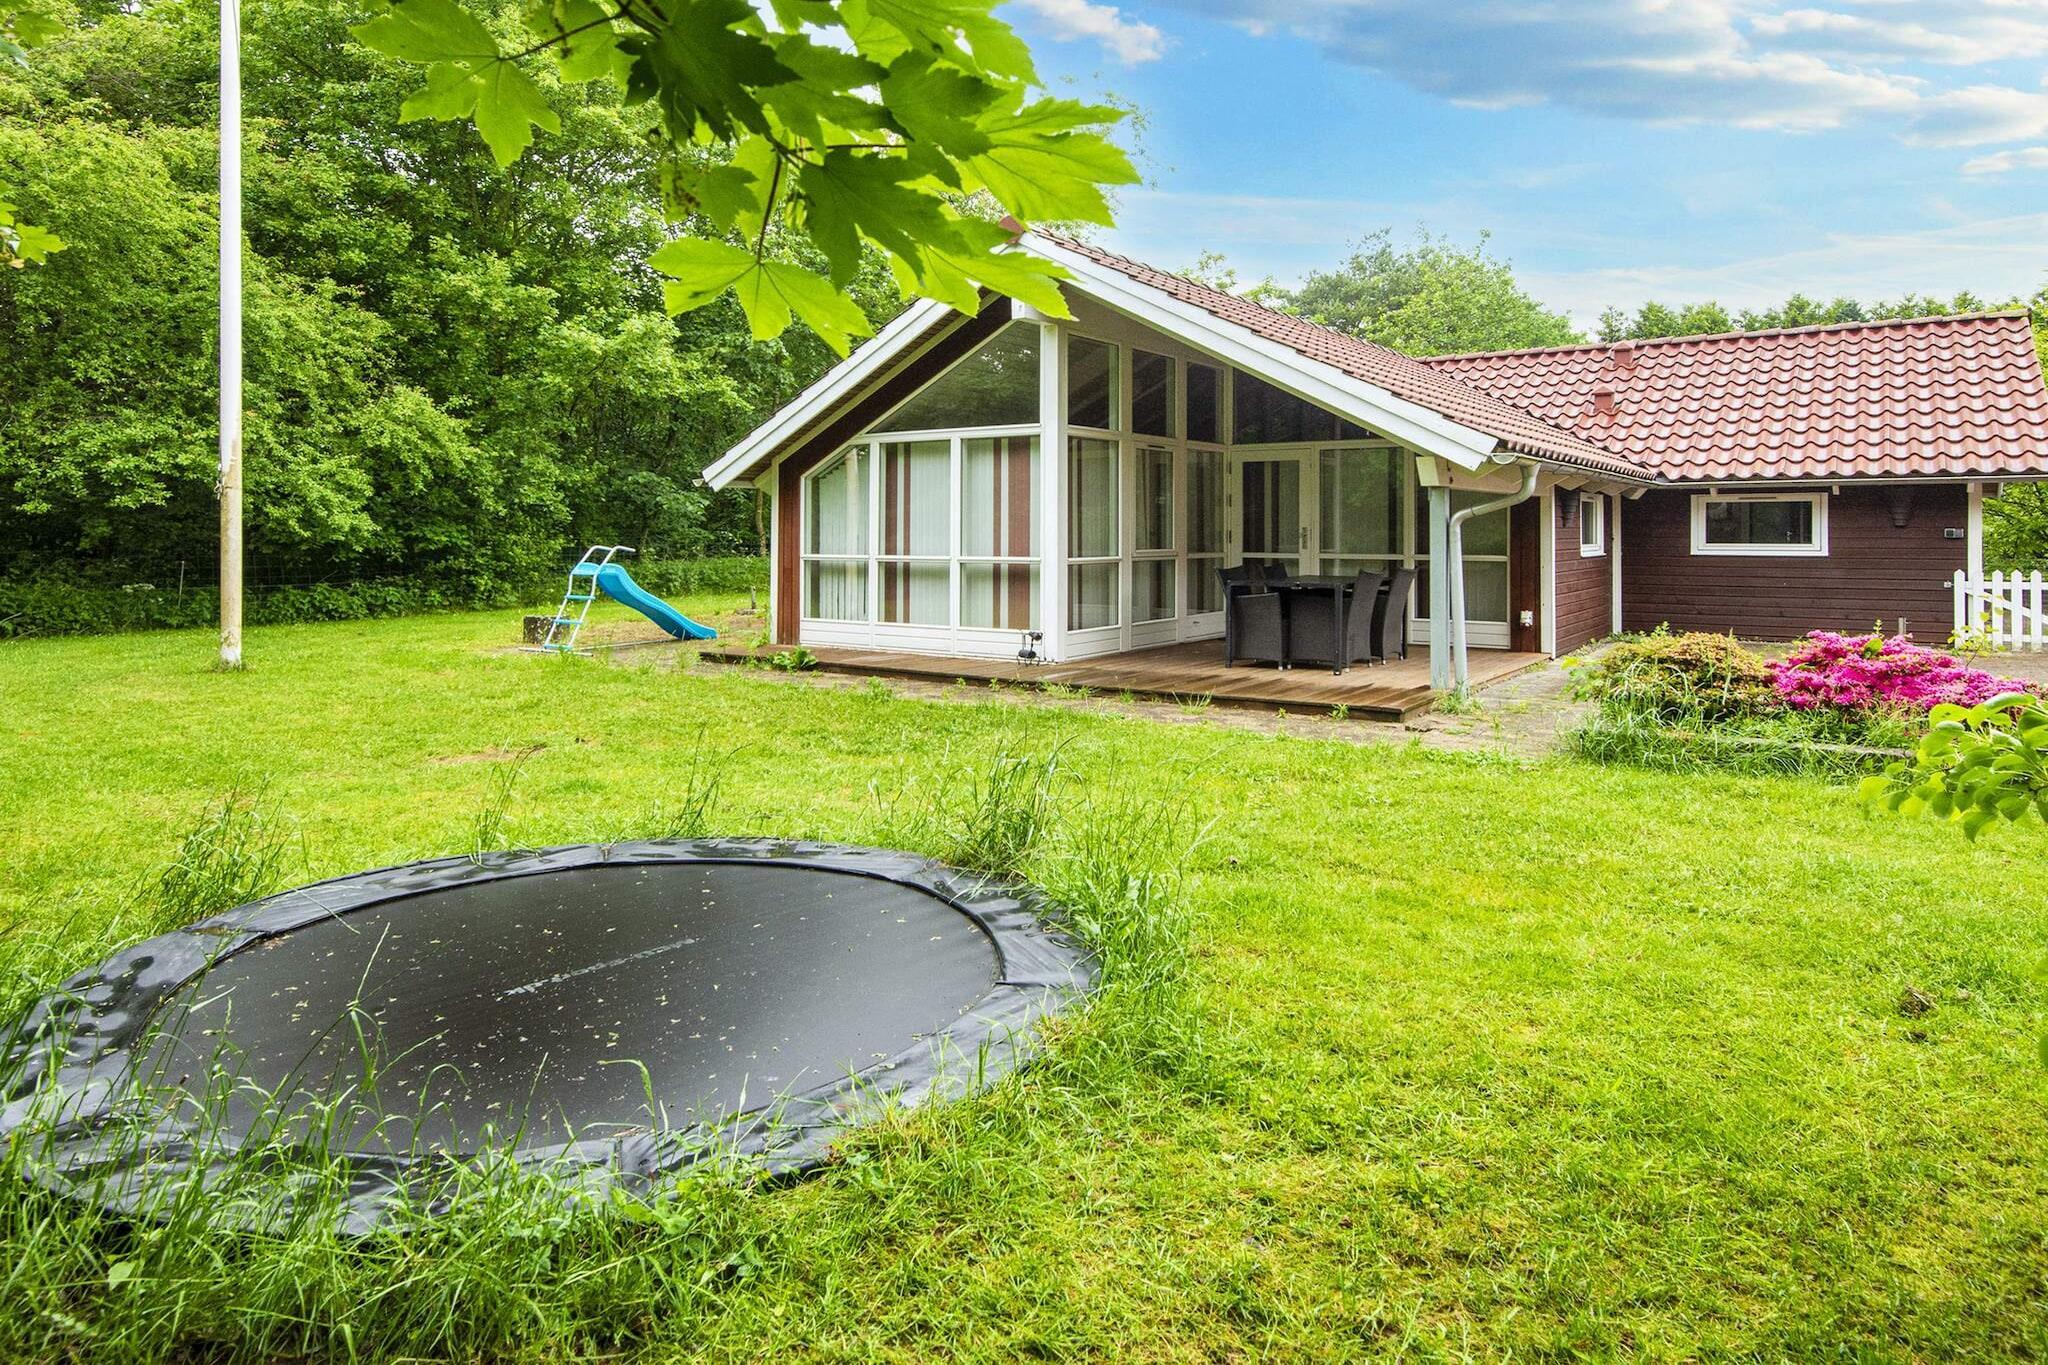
617,584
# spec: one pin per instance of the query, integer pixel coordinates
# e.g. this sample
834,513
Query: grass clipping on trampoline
509,1269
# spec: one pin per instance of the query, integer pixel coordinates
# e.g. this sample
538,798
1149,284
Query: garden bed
1833,706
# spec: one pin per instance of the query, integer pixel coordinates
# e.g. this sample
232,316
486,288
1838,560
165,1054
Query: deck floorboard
1391,691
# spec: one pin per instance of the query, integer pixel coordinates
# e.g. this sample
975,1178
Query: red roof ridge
1981,315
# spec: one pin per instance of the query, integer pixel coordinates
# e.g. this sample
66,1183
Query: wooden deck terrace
1389,691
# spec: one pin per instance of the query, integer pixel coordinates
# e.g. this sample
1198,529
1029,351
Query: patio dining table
1339,589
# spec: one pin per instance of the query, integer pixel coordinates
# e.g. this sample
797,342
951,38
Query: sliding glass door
1273,520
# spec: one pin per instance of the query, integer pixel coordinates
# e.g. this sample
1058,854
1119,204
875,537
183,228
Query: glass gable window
1265,415
1205,403
1787,524
836,538
996,385
999,520
1094,535
916,532
1092,396
1152,406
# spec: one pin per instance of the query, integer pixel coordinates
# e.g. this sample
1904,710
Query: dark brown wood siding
1525,580
1584,583
1873,571
871,407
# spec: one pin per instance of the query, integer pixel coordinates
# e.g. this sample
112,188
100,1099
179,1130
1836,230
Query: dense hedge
55,604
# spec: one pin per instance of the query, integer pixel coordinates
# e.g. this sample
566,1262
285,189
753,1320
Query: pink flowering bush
1876,672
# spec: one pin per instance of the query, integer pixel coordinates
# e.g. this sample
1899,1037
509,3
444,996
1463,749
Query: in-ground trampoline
615,1013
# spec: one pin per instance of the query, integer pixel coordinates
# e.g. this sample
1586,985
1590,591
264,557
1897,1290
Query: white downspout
1455,569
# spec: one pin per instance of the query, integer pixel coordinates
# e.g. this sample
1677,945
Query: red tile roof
1958,396
1518,431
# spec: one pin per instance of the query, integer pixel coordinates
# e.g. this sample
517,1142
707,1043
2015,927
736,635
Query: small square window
1592,524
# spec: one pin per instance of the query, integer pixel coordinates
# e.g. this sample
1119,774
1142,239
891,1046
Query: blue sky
1616,149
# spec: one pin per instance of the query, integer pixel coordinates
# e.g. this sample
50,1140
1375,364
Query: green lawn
1480,1058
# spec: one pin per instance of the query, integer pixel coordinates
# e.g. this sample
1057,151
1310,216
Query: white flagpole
230,334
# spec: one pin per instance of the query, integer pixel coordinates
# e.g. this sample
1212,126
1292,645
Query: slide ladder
582,592
596,573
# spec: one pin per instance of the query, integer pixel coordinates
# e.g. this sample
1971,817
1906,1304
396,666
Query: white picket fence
2010,611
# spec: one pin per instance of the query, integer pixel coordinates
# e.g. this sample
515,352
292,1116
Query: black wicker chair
1256,629
1390,618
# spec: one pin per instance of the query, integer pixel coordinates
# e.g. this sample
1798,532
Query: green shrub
1694,677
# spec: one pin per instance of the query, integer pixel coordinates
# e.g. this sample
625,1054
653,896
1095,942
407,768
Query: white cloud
1951,34
1914,65
1996,258
2004,163
1978,114
1128,41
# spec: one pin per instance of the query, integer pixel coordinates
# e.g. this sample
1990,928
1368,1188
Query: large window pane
999,596
1092,398
1269,497
1205,502
1361,502
915,594
836,590
994,386
1486,591
1205,403
1093,500
837,505
1091,596
1205,587
1759,523
1487,535
999,497
1265,415
1152,589
1155,498
917,479
1152,406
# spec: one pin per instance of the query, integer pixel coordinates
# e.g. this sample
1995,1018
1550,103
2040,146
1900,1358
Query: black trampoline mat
580,1003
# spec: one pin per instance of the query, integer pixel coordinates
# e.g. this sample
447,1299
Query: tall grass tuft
491,823
988,818
239,850
691,809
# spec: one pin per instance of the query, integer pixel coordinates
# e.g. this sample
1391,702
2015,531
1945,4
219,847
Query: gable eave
900,339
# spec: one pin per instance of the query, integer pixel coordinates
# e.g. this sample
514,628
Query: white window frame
1815,549
1175,548
1121,556
1593,514
866,557
964,561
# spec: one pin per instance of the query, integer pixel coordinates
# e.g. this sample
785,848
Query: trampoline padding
614,1011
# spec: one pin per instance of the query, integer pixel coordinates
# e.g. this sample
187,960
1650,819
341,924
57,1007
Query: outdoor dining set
1272,616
